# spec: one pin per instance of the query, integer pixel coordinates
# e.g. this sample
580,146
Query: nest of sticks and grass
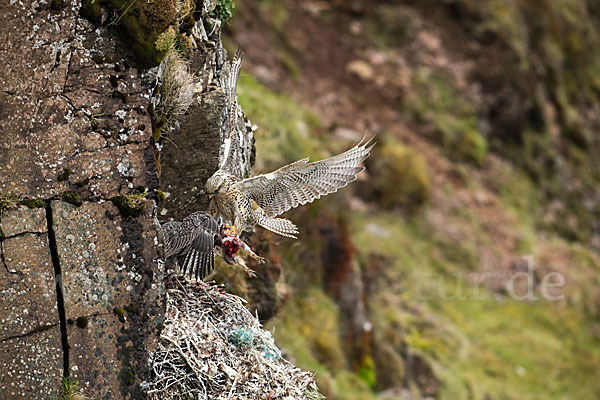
212,347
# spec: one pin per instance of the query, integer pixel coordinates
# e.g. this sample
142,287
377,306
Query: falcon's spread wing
232,108
192,243
302,182
236,66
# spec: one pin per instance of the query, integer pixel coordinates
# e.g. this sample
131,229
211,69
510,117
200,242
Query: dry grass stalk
177,90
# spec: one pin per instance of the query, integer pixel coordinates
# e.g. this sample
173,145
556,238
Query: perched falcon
259,200
191,243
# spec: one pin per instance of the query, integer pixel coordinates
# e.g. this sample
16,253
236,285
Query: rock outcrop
81,276
82,293
193,152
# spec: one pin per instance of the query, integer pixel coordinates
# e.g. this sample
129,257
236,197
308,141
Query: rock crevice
60,293
81,290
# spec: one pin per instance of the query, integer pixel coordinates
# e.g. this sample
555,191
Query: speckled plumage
258,200
191,243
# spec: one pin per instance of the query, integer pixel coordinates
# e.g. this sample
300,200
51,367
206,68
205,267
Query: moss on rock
160,195
120,313
223,10
401,178
33,203
91,10
141,22
64,176
71,197
131,204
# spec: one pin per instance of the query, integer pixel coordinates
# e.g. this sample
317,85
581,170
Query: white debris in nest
121,113
212,347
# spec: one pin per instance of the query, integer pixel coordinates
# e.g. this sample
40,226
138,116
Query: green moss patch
33,203
7,201
72,198
223,10
401,177
64,176
91,10
140,22
131,204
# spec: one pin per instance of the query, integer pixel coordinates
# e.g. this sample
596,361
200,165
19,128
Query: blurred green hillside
413,282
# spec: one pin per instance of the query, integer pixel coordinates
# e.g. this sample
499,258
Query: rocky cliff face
81,274
81,281
194,151
81,284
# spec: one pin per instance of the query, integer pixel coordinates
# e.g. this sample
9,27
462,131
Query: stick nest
212,347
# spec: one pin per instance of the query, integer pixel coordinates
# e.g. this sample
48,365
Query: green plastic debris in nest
211,345
248,337
241,337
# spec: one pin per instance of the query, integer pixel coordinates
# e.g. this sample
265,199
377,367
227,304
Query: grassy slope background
486,154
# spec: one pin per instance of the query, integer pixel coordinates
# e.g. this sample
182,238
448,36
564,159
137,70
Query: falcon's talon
231,229
242,264
253,255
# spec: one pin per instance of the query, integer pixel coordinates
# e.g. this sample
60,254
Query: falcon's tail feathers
280,226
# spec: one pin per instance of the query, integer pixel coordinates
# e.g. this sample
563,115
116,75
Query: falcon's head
219,183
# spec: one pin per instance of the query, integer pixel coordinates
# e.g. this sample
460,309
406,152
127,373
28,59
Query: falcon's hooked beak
210,195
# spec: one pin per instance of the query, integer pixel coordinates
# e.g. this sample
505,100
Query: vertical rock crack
60,294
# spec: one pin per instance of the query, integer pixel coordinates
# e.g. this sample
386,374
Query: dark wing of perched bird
302,182
191,243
